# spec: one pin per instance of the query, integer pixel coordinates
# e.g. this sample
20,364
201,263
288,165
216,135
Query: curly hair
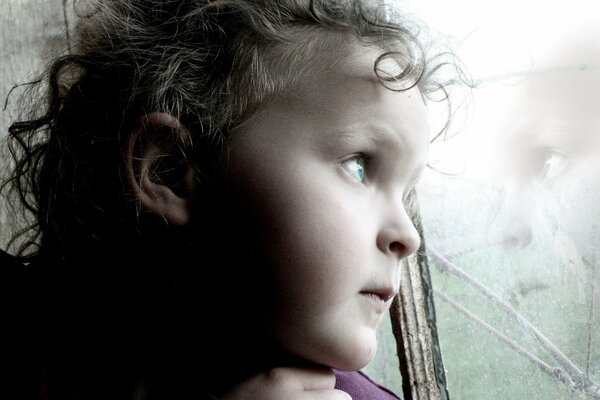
209,63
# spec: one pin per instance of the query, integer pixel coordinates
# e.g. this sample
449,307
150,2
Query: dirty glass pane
511,203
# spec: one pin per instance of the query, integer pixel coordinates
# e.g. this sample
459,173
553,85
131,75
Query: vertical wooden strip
428,293
398,319
413,323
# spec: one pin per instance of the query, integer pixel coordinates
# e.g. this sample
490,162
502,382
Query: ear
159,173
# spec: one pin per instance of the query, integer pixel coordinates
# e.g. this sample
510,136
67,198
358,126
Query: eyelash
365,160
361,161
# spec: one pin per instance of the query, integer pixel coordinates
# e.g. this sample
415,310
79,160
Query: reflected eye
355,166
555,161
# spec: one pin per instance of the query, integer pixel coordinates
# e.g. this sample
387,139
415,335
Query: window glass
511,203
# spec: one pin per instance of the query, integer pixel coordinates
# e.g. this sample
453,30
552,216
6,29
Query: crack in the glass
567,371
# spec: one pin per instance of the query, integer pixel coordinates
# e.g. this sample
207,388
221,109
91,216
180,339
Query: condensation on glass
511,205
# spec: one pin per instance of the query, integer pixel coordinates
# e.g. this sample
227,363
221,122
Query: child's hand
298,383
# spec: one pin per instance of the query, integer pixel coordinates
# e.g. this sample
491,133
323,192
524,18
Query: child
218,194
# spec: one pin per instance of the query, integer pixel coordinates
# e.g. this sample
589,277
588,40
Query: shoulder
19,281
361,387
21,332
17,292
13,275
8,262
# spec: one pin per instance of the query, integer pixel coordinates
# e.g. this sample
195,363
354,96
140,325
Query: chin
354,356
353,364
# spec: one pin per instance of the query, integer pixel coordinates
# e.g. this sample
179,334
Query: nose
398,236
515,235
512,227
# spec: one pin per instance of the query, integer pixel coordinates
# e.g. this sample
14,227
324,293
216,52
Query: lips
383,294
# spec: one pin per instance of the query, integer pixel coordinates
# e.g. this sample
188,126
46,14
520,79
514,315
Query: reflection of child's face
333,239
549,157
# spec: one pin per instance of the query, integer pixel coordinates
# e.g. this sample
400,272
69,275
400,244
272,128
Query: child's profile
218,192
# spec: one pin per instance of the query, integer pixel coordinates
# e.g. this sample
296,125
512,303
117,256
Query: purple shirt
360,387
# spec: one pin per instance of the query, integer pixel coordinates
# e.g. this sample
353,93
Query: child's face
323,174
547,160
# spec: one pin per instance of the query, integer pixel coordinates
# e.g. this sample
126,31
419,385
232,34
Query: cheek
576,204
318,242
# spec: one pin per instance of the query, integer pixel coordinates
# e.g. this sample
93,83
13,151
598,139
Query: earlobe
159,173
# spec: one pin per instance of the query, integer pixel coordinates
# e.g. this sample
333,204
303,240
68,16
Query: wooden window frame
414,326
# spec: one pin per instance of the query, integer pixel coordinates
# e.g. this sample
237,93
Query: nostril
526,236
398,248
520,237
404,248
510,242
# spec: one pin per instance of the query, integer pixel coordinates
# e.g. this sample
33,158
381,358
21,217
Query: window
511,205
507,291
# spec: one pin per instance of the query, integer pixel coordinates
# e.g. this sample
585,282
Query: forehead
552,109
351,62
348,91
341,97
339,107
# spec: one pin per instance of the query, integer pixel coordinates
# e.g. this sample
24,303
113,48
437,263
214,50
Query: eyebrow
375,134
537,129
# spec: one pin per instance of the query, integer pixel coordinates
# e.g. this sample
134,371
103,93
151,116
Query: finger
331,394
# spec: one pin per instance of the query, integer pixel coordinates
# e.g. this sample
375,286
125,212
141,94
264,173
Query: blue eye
355,166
